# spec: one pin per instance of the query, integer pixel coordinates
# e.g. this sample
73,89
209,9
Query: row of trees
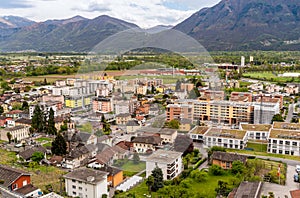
43,122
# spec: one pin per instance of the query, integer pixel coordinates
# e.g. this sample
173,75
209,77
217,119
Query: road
290,113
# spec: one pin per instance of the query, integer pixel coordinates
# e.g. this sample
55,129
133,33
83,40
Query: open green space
259,147
86,127
130,166
166,79
269,76
44,139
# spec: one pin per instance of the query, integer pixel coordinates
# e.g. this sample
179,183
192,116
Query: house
225,160
168,135
169,162
123,118
143,144
78,156
2,121
86,182
105,139
185,124
115,175
132,126
183,144
17,133
27,154
14,114
29,191
23,122
13,179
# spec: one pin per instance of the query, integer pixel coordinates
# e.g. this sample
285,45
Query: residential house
23,122
115,175
225,160
12,178
3,121
29,191
14,114
17,133
105,139
27,154
86,182
183,144
169,162
185,124
123,118
197,133
132,126
143,144
79,156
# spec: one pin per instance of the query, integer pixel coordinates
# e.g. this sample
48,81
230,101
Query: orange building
115,175
102,105
225,160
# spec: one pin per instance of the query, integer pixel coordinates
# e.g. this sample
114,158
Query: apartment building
264,112
102,105
169,162
284,138
179,111
86,182
17,133
227,138
257,131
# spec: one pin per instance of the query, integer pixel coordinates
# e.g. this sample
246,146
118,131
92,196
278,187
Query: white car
94,165
298,168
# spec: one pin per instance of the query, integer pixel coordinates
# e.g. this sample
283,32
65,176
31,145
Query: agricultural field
269,76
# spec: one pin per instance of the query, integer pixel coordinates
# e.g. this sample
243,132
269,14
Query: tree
157,174
222,188
106,126
51,129
9,136
215,148
173,124
25,105
238,167
37,119
277,118
37,156
1,110
59,145
216,170
136,158
149,183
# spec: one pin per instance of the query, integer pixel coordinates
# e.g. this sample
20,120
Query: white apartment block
169,162
264,112
86,183
284,139
256,131
227,138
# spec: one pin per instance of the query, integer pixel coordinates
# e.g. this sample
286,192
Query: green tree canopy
51,129
37,156
277,118
59,145
157,174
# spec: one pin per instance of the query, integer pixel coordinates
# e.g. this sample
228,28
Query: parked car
296,177
94,165
298,168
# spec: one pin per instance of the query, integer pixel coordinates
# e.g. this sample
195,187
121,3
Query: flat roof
286,125
256,127
227,133
200,130
163,156
285,134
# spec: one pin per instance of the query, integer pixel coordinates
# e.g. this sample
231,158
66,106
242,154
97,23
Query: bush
199,176
201,161
216,170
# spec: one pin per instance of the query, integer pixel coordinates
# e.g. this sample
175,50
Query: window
294,143
24,182
74,193
280,142
287,152
14,186
219,140
74,187
73,180
280,151
227,165
287,142
274,141
80,188
274,151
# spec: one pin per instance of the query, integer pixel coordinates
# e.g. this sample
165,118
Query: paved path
290,113
281,191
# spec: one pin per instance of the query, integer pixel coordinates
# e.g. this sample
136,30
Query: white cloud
145,13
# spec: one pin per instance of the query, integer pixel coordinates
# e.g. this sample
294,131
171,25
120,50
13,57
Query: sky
145,13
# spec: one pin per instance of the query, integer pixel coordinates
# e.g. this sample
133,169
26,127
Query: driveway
290,113
281,191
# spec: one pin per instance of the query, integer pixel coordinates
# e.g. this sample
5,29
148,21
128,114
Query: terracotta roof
228,157
295,193
9,175
26,189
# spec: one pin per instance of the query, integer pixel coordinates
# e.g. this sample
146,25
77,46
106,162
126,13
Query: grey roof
87,175
164,156
26,189
78,151
80,137
155,140
248,190
27,154
182,143
185,121
111,170
101,146
228,157
123,115
149,129
103,138
132,123
167,131
9,175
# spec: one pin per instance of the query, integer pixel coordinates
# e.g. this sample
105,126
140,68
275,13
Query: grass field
166,79
44,139
269,76
7,157
259,147
130,166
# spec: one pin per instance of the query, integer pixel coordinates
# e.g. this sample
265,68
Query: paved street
290,113
281,191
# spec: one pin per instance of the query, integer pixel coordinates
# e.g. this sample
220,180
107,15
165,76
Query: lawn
49,78
204,189
7,157
48,145
131,167
86,127
291,157
166,79
44,139
259,147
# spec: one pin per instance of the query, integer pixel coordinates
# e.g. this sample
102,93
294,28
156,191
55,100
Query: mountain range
229,25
